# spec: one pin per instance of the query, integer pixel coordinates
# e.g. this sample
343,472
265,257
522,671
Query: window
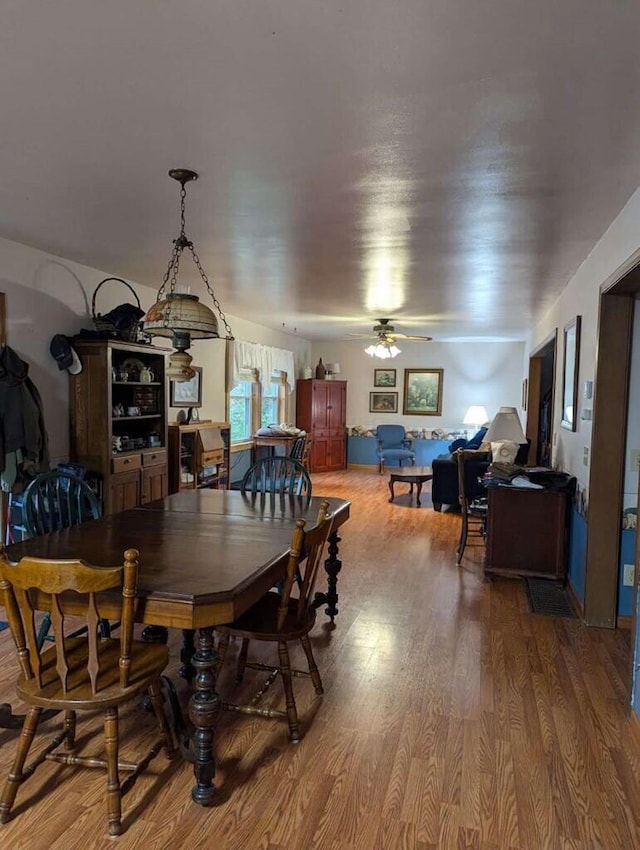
240,404
270,404
252,407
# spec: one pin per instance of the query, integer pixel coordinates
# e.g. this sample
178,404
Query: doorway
540,393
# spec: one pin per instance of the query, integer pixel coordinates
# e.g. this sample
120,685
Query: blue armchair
393,445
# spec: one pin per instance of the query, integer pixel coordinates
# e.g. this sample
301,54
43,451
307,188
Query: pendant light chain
179,245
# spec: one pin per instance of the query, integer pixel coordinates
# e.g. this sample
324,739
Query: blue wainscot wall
578,560
361,451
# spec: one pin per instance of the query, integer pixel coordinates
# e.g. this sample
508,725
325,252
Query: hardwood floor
452,718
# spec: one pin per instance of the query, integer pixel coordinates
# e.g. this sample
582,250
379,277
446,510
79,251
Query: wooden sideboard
526,533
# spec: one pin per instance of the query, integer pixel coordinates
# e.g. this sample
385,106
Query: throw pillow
504,451
460,443
476,441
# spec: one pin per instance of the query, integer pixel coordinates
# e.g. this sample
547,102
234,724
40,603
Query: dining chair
301,450
51,502
277,474
474,511
393,445
81,673
281,617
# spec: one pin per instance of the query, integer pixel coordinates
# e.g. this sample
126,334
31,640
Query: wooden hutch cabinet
199,456
321,410
119,420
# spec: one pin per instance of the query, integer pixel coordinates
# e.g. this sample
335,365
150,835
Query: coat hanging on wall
24,445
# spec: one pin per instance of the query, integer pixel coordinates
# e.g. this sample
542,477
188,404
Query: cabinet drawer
154,458
126,464
209,458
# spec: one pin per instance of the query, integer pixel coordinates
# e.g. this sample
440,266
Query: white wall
48,295
488,373
581,297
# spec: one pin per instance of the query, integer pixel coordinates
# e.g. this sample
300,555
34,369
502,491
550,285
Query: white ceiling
448,163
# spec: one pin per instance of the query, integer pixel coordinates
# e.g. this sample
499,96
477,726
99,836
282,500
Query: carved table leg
391,483
186,654
418,491
203,712
332,566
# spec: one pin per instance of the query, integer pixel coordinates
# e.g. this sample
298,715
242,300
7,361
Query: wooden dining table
205,557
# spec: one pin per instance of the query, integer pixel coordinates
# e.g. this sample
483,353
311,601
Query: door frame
534,391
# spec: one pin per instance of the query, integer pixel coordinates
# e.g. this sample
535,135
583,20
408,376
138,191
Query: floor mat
548,597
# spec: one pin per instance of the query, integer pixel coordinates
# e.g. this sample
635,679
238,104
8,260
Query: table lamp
505,425
476,415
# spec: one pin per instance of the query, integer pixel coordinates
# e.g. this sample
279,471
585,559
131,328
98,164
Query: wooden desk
272,443
526,532
205,557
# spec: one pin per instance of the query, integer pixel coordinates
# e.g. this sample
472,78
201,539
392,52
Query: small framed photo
384,377
188,393
423,392
383,402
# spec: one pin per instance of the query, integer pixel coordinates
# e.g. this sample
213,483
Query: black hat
65,355
124,316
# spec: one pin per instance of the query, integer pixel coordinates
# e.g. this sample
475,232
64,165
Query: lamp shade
476,415
505,425
181,313
334,368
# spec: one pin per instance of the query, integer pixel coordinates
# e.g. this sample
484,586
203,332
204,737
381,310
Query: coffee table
410,475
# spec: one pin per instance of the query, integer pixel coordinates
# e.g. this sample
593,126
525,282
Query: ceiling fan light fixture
383,349
179,314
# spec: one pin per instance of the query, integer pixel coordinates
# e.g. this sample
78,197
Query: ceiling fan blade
412,336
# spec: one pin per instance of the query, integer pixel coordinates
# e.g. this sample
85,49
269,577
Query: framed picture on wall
188,393
423,392
570,374
384,377
383,402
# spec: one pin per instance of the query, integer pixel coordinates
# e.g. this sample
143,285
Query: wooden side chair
282,617
301,450
51,502
474,511
81,673
56,500
277,475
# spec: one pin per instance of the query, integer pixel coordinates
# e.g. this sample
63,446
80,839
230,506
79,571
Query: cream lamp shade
476,415
505,425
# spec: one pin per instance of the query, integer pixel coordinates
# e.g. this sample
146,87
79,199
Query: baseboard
363,467
575,601
625,623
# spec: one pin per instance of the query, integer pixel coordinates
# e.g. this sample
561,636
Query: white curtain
264,358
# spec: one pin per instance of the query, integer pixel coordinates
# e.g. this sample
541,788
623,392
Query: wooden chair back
301,450
283,475
304,561
56,500
55,578
465,483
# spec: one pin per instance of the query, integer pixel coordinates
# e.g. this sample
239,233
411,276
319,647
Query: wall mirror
570,374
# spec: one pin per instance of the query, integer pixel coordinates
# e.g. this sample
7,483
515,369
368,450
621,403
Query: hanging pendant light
180,315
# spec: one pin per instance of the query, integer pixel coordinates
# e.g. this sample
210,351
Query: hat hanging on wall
65,355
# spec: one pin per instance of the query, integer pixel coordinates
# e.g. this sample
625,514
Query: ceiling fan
383,331
385,335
